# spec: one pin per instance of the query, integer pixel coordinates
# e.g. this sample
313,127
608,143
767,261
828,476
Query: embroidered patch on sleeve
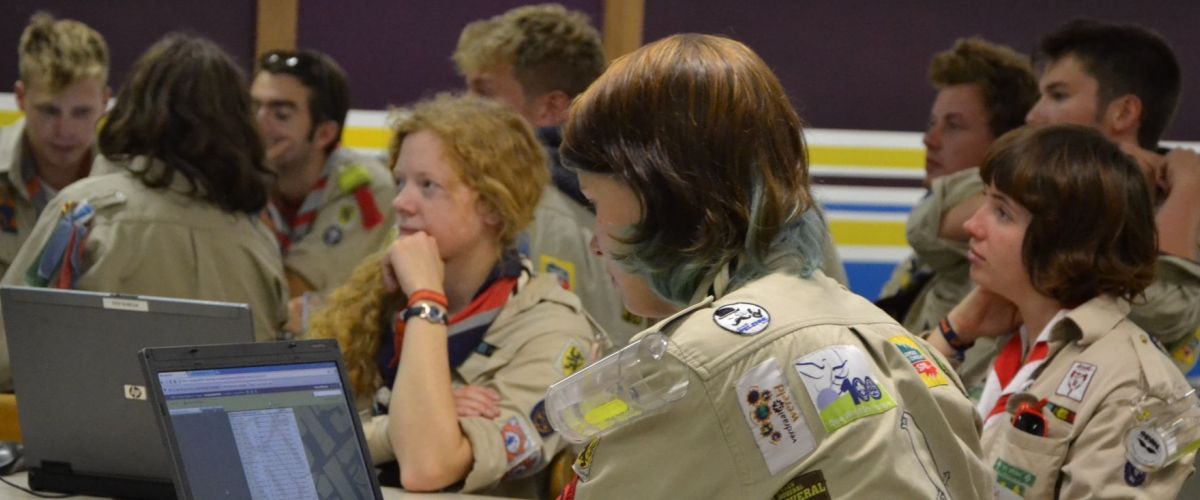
561,269
808,486
1075,384
583,462
332,235
1064,414
920,362
571,359
778,427
742,318
1013,478
345,213
539,419
839,382
520,444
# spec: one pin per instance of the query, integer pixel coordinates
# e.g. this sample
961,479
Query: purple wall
853,64
399,51
862,65
131,26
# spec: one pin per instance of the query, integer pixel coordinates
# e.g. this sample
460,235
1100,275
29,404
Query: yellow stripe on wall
377,138
9,117
868,233
367,138
867,157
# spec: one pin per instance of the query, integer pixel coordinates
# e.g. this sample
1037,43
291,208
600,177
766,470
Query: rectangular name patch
779,429
807,486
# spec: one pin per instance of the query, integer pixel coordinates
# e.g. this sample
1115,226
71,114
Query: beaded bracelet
952,338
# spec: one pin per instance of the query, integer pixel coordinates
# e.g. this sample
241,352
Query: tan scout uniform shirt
18,212
821,396
1099,364
540,337
164,242
339,238
947,259
1171,312
559,239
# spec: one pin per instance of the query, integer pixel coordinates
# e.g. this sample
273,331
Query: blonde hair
352,316
55,54
549,47
491,148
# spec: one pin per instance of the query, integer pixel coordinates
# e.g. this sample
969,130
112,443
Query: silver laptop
260,421
85,422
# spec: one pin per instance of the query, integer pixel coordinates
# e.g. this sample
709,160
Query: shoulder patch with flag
60,262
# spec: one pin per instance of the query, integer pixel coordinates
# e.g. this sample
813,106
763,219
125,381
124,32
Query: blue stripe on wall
867,279
854,207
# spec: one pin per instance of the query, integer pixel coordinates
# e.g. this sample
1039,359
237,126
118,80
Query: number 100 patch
842,385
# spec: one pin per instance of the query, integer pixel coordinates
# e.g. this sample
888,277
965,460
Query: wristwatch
423,310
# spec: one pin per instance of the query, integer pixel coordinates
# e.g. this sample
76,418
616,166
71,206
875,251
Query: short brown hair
1092,230
1005,78
55,54
1124,59
700,129
491,148
549,47
186,105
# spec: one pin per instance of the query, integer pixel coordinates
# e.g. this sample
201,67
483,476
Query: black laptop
85,422
267,420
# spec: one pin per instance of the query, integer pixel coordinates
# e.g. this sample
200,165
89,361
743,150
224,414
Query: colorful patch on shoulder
1185,351
778,426
583,462
1012,478
840,384
742,318
539,419
561,269
519,443
332,235
807,486
571,359
925,368
1075,384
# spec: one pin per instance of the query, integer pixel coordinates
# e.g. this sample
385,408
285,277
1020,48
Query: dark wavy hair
186,105
700,129
327,84
1092,230
1124,59
1004,77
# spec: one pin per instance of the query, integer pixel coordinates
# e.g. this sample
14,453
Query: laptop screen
278,431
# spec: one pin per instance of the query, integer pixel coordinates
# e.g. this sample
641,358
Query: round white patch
742,318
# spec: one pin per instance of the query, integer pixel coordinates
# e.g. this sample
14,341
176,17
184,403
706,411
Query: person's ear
19,90
1123,117
326,134
550,109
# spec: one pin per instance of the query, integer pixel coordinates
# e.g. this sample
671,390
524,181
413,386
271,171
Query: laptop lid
83,409
267,420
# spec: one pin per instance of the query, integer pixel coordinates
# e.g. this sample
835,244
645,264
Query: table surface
8,492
